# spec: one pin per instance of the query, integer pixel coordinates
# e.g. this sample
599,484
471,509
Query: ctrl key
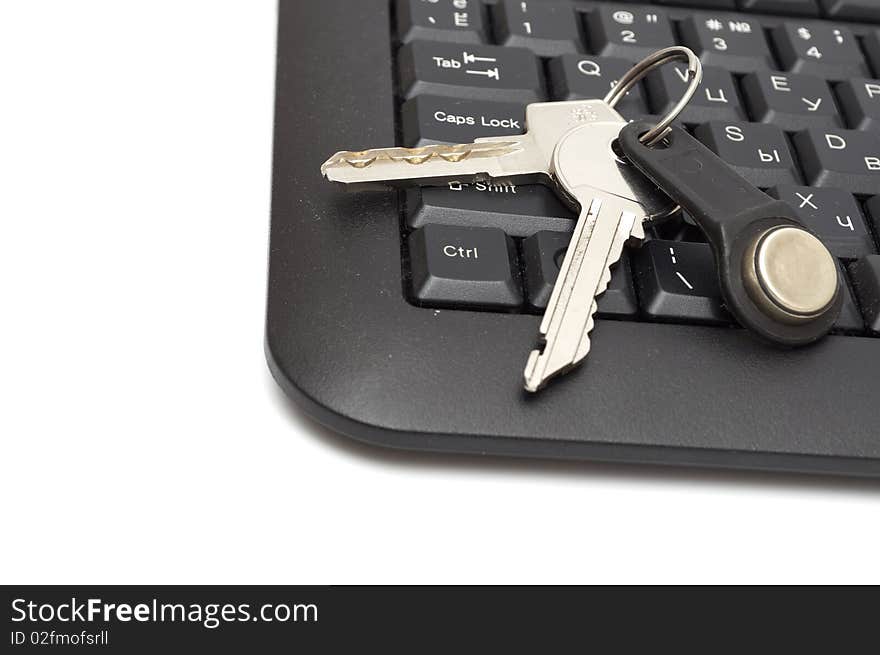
464,266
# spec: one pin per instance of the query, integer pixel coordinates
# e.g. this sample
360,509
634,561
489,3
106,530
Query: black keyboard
793,104
403,318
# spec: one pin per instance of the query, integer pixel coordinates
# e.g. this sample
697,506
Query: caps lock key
438,119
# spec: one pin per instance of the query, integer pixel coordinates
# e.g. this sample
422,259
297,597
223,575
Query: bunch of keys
777,278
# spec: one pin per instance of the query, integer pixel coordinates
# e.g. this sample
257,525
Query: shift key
520,211
470,71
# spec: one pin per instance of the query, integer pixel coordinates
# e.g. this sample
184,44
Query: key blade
430,164
518,158
597,245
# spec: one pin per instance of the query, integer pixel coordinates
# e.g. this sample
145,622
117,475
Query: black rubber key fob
736,218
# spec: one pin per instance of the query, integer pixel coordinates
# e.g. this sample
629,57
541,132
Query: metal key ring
676,53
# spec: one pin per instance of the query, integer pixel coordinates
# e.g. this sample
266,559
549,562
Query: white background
143,440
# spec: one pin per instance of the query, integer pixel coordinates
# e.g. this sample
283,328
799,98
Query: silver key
568,146
615,201
516,159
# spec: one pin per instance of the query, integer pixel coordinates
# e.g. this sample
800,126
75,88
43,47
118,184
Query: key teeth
534,381
417,156
585,344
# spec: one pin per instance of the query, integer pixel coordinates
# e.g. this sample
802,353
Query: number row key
631,33
547,28
441,20
822,49
736,44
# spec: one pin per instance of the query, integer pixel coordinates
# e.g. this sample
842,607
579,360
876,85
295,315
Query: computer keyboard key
872,206
520,211
441,20
785,7
676,281
834,215
850,320
708,4
757,151
631,33
464,266
574,77
790,100
619,300
852,9
822,49
679,228
438,119
476,72
845,159
860,101
716,99
542,256
735,44
871,43
865,275
547,28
